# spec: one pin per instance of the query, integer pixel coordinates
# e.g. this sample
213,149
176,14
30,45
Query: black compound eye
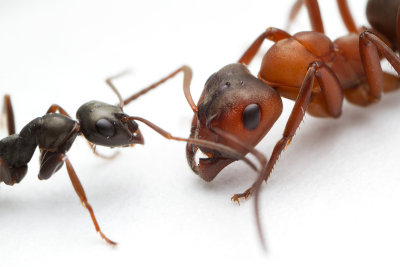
251,116
105,127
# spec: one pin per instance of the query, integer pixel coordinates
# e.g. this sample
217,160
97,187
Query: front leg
333,98
272,34
332,94
261,158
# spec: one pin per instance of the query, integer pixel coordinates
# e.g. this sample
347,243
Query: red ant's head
236,103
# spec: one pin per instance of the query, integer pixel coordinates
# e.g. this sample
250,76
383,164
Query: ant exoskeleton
100,123
237,108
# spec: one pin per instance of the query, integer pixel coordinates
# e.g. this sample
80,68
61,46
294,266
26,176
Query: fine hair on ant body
100,123
238,109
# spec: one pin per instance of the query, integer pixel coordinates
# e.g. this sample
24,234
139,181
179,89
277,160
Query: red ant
100,123
238,109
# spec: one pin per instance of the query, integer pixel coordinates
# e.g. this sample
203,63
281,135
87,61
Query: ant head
237,103
105,125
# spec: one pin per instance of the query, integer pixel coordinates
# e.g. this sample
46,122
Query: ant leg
370,44
294,11
255,185
272,34
54,108
93,148
314,14
8,111
187,72
115,90
261,158
82,196
333,97
346,16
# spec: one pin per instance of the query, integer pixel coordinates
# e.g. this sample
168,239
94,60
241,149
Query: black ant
100,123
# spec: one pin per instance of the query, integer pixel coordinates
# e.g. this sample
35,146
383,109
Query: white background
334,196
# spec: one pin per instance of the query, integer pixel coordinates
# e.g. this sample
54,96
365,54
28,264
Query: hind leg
8,112
7,175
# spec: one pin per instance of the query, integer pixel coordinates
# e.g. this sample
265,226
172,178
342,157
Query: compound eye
105,127
251,116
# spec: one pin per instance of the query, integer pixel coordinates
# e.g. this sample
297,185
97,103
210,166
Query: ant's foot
245,195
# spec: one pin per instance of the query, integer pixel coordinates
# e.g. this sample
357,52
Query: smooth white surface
334,196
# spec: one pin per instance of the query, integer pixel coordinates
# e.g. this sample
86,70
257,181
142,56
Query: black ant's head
106,125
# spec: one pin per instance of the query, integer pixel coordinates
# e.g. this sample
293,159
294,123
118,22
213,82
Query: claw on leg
109,157
236,198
